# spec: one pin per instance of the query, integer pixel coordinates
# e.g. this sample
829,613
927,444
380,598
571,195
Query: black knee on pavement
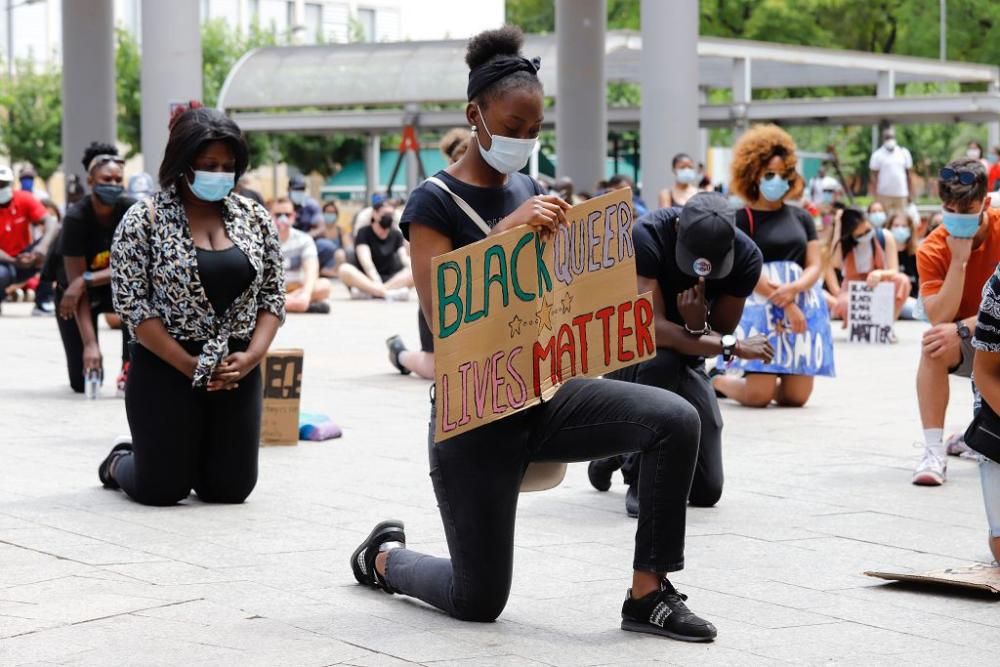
705,497
226,496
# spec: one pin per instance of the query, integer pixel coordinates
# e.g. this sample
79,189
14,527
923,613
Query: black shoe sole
104,470
383,528
598,480
650,629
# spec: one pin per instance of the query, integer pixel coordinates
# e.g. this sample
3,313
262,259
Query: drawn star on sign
567,302
515,326
544,315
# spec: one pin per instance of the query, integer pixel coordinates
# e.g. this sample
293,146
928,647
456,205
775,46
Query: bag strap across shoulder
462,204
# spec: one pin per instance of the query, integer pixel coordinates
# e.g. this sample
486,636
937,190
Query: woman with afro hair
764,176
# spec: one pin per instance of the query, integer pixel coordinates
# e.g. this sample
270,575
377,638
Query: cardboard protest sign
809,353
977,577
514,315
282,379
870,312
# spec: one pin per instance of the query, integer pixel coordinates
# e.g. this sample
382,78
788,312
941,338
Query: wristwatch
88,277
728,347
963,330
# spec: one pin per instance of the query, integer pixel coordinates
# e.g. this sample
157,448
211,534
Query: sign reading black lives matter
870,312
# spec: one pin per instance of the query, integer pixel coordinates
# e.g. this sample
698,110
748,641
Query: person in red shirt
954,263
21,257
993,177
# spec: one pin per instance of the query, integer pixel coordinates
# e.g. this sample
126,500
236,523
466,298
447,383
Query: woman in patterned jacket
197,278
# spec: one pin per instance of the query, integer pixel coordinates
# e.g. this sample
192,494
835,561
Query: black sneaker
104,470
321,307
632,501
664,613
363,558
396,347
600,472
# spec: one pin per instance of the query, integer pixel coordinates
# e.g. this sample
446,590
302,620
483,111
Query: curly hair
490,45
750,157
454,143
97,148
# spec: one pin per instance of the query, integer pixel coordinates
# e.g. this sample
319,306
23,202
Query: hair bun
505,41
181,109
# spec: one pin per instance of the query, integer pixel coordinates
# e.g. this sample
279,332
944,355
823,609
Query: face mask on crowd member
297,196
385,220
962,185
902,235
877,218
889,141
105,176
993,157
505,154
283,214
773,186
974,151
27,183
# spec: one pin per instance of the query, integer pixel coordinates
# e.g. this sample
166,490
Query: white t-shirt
298,248
891,167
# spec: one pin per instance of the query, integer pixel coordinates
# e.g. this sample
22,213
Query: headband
487,74
102,159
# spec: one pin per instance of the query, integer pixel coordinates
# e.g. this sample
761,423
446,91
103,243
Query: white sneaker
955,446
399,294
931,471
358,295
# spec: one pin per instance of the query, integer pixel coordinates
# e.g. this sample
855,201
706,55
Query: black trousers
477,477
69,332
684,376
185,438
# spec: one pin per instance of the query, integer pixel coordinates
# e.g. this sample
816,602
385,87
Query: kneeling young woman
196,273
477,475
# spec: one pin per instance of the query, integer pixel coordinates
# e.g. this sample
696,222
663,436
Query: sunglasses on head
102,160
963,176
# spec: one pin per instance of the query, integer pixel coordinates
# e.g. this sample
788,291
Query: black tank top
225,275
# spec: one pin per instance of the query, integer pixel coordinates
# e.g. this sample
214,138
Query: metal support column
171,69
885,89
993,127
742,95
373,158
88,80
581,94
668,72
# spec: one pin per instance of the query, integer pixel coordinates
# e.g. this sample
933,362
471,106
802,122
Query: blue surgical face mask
212,185
297,196
826,197
774,188
877,218
901,234
506,154
28,183
961,225
330,218
108,193
687,176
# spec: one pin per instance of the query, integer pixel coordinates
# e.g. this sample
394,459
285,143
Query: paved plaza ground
813,498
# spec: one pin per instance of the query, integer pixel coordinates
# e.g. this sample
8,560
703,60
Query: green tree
31,125
128,69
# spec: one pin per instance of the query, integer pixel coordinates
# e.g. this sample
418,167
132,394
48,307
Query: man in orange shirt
954,262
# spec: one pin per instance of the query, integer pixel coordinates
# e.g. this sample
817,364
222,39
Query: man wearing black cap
309,219
700,270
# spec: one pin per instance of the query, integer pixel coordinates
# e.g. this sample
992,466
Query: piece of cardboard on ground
978,577
282,380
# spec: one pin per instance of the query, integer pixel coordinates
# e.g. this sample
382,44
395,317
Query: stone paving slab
813,498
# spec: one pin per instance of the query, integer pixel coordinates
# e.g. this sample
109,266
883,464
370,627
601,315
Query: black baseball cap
706,231
297,182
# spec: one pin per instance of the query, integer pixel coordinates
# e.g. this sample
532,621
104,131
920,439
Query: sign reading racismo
516,315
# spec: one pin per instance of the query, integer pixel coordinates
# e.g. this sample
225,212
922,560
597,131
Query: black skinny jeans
685,376
185,438
477,476
69,332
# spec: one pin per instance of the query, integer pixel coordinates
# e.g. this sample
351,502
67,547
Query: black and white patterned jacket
154,274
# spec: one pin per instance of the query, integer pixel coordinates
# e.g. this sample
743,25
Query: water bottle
93,379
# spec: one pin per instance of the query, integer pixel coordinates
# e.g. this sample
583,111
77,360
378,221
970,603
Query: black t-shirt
655,239
781,235
908,265
83,236
430,205
385,252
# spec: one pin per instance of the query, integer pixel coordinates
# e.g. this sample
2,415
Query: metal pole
943,52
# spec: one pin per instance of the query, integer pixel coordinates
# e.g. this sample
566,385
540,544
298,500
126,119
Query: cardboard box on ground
282,380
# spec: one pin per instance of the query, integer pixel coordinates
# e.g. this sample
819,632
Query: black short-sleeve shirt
430,205
781,235
84,236
655,239
385,252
